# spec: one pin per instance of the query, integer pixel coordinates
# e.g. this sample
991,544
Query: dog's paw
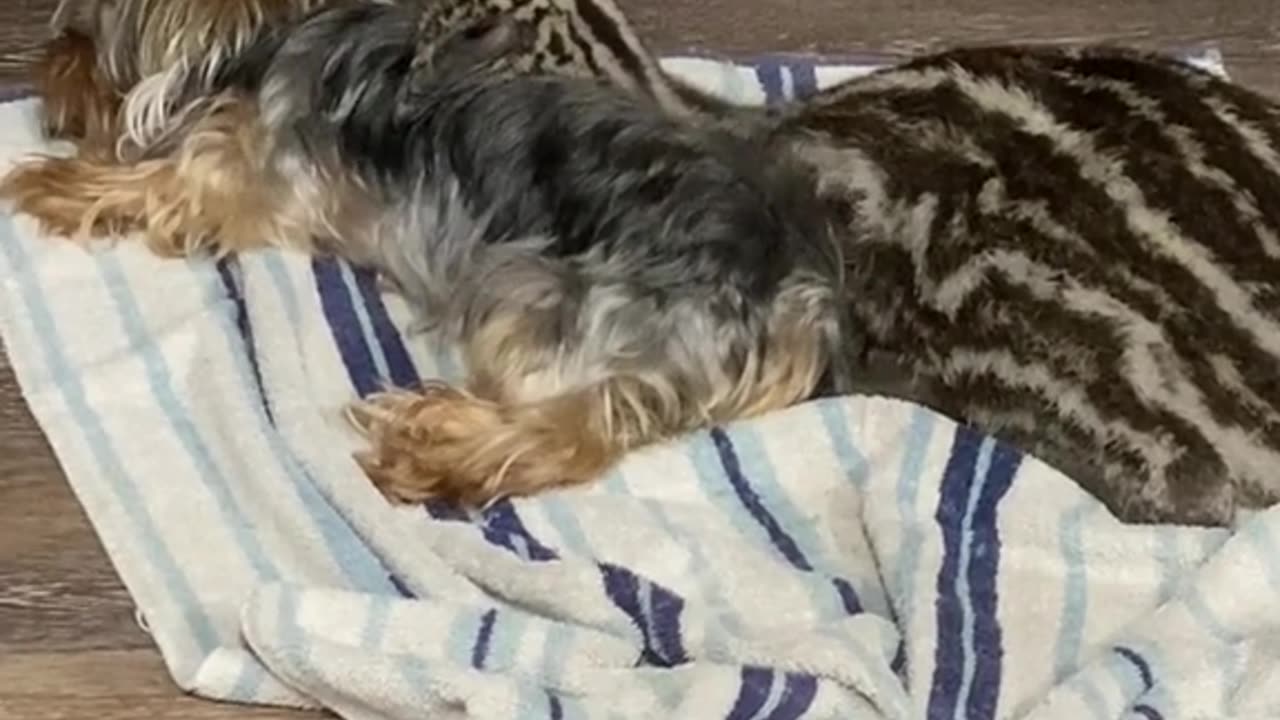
438,442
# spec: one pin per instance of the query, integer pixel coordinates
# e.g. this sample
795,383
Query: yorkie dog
613,276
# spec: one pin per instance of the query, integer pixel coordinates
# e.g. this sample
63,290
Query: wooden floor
69,645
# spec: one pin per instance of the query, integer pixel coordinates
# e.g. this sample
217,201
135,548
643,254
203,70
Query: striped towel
848,558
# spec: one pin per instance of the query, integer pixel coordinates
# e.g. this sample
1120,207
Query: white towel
850,558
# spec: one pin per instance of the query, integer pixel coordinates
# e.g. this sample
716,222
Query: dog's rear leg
548,406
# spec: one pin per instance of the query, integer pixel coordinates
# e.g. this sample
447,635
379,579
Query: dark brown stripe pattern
1076,251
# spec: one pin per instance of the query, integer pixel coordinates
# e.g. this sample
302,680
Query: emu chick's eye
479,29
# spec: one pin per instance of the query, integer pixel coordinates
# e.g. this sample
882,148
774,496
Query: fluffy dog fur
78,102
614,277
106,79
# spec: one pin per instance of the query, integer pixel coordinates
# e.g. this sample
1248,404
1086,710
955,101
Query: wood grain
23,26
69,647
1247,31
108,685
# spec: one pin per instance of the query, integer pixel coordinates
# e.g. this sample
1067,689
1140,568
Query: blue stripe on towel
400,587
340,312
106,457
844,599
377,615
502,526
1147,712
848,596
983,577
480,650
798,693
367,338
282,281
707,580
804,79
229,272
966,679
769,73
1139,662
751,501
399,365
653,609
350,286
760,698
754,685
749,450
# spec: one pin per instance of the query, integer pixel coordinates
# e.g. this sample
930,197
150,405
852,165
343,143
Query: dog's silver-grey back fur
626,241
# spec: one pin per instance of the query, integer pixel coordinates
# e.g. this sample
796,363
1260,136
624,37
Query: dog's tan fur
79,102
214,193
524,424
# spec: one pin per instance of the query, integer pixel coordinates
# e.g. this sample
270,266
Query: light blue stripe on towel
160,383
919,435
120,484
1075,591
351,557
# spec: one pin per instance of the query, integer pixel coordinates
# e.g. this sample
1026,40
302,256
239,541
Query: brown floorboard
69,647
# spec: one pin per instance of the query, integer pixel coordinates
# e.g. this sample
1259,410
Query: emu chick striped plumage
1075,250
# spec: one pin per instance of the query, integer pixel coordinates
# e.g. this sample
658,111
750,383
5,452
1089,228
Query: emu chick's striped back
1077,251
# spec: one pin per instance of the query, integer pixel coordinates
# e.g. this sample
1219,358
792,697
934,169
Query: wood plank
1247,31
23,26
57,589
109,685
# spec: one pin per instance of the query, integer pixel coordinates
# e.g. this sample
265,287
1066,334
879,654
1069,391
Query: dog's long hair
108,78
614,276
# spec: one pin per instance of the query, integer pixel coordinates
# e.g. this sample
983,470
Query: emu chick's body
1077,251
